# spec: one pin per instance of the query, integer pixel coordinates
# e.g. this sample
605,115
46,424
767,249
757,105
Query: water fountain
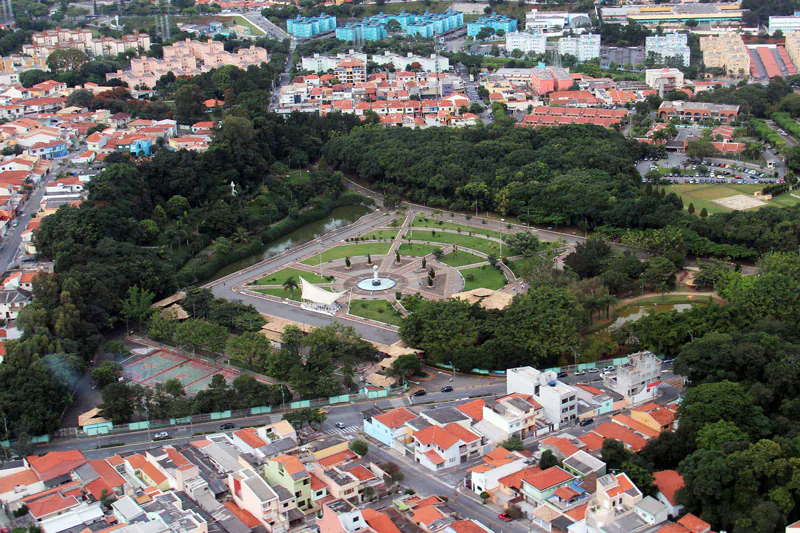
376,283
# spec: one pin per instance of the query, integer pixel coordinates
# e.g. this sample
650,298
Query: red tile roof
635,425
55,464
434,457
436,435
243,515
563,445
379,521
612,430
593,441
50,504
337,459
21,478
514,481
395,418
549,478
426,514
462,433
466,526
249,437
661,415
668,483
694,524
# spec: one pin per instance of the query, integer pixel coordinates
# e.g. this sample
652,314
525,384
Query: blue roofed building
493,21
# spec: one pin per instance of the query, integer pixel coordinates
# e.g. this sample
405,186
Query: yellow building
726,51
793,46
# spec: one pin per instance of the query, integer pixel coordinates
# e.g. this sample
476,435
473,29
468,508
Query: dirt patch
739,202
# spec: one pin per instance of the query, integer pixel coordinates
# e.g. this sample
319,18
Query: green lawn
702,195
282,275
460,259
350,250
379,310
241,21
785,200
486,276
426,222
467,241
417,250
380,234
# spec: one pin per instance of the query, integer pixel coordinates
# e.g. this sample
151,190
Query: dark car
586,421
421,392
562,374
227,425
447,389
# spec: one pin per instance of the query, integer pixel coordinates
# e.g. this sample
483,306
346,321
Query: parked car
504,517
227,425
594,370
340,425
562,374
586,421
162,435
421,392
610,368
580,373
448,388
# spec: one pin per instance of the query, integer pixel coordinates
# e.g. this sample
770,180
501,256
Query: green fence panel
620,361
377,394
97,429
220,414
260,410
135,426
44,439
184,420
301,404
342,398
479,371
442,365
585,366
554,369
5,444
499,372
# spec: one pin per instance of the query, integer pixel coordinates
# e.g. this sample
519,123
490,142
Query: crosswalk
343,431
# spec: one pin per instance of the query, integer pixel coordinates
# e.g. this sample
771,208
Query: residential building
433,63
54,468
390,427
584,47
651,511
621,55
555,20
612,508
664,80
18,483
526,42
654,416
669,45
784,24
668,483
638,379
495,22
514,414
539,487
558,400
253,494
46,42
351,71
726,51
496,464
288,472
307,27
611,430
698,111
320,63
438,447
583,464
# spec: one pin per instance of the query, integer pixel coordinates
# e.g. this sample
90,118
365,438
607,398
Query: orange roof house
395,418
668,483
54,465
611,430
654,416
560,446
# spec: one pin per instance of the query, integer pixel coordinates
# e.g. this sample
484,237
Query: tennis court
160,366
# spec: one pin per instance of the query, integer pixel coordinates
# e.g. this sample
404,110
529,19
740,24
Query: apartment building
495,22
784,24
726,51
584,47
253,494
668,45
514,414
351,71
322,63
288,472
558,400
44,43
307,27
526,42
664,80
638,379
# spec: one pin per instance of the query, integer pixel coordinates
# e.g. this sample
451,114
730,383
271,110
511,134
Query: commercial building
785,24
558,400
726,51
307,27
494,21
697,111
526,42
584,47
664,80
669,45
675,14
545,80
555,20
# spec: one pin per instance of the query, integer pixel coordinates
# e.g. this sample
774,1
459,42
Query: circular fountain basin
383,284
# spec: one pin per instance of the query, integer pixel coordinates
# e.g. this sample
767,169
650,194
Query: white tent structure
319,300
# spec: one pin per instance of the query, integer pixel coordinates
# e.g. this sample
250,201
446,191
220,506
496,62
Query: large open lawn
467,241
486,276
379,310
416,249
350,250
278,278
421,221
461,258
703,195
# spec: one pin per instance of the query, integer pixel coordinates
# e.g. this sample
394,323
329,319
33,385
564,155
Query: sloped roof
668,483
315,294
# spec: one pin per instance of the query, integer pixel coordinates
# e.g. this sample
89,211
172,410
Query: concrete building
584,47
664,80
545,80
321,63
669,45
526,42
514,414
638,379
253,494
496,464
614,501
555,20
494,21
558,400
726,51
697,111
793,46
621,55
786,24
438,447
432,63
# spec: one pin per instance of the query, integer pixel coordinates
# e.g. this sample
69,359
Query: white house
253,494
514,414
17,483
638,379
558,400
437,447
390,427
496,464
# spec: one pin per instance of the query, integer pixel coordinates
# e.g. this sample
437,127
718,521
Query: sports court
158,366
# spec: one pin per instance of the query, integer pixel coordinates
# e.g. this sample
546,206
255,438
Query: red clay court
161,365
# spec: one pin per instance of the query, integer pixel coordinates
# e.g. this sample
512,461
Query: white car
162,435
594,370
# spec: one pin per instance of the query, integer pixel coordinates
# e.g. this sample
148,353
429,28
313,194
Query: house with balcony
438,448
613,505
514,414
174,465
495,465
253,494
288,472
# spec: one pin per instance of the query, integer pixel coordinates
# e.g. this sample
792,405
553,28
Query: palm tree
240,235
290,285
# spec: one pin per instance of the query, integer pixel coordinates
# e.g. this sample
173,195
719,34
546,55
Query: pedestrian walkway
349,430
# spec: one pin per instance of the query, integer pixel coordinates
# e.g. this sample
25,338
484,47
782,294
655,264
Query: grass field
704,195
379,310
241,21
349,250
417,250
281,293
461,259
282,275
487,277
467,241
424,222
380,234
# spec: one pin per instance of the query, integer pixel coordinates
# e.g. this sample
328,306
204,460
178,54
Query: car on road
448,388
16,223
161,435
668,361
594,370
421,392
227,425
340,425
504,517
562,374
586,421
580,373
610,368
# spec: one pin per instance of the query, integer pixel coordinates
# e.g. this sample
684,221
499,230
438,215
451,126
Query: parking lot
705,172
